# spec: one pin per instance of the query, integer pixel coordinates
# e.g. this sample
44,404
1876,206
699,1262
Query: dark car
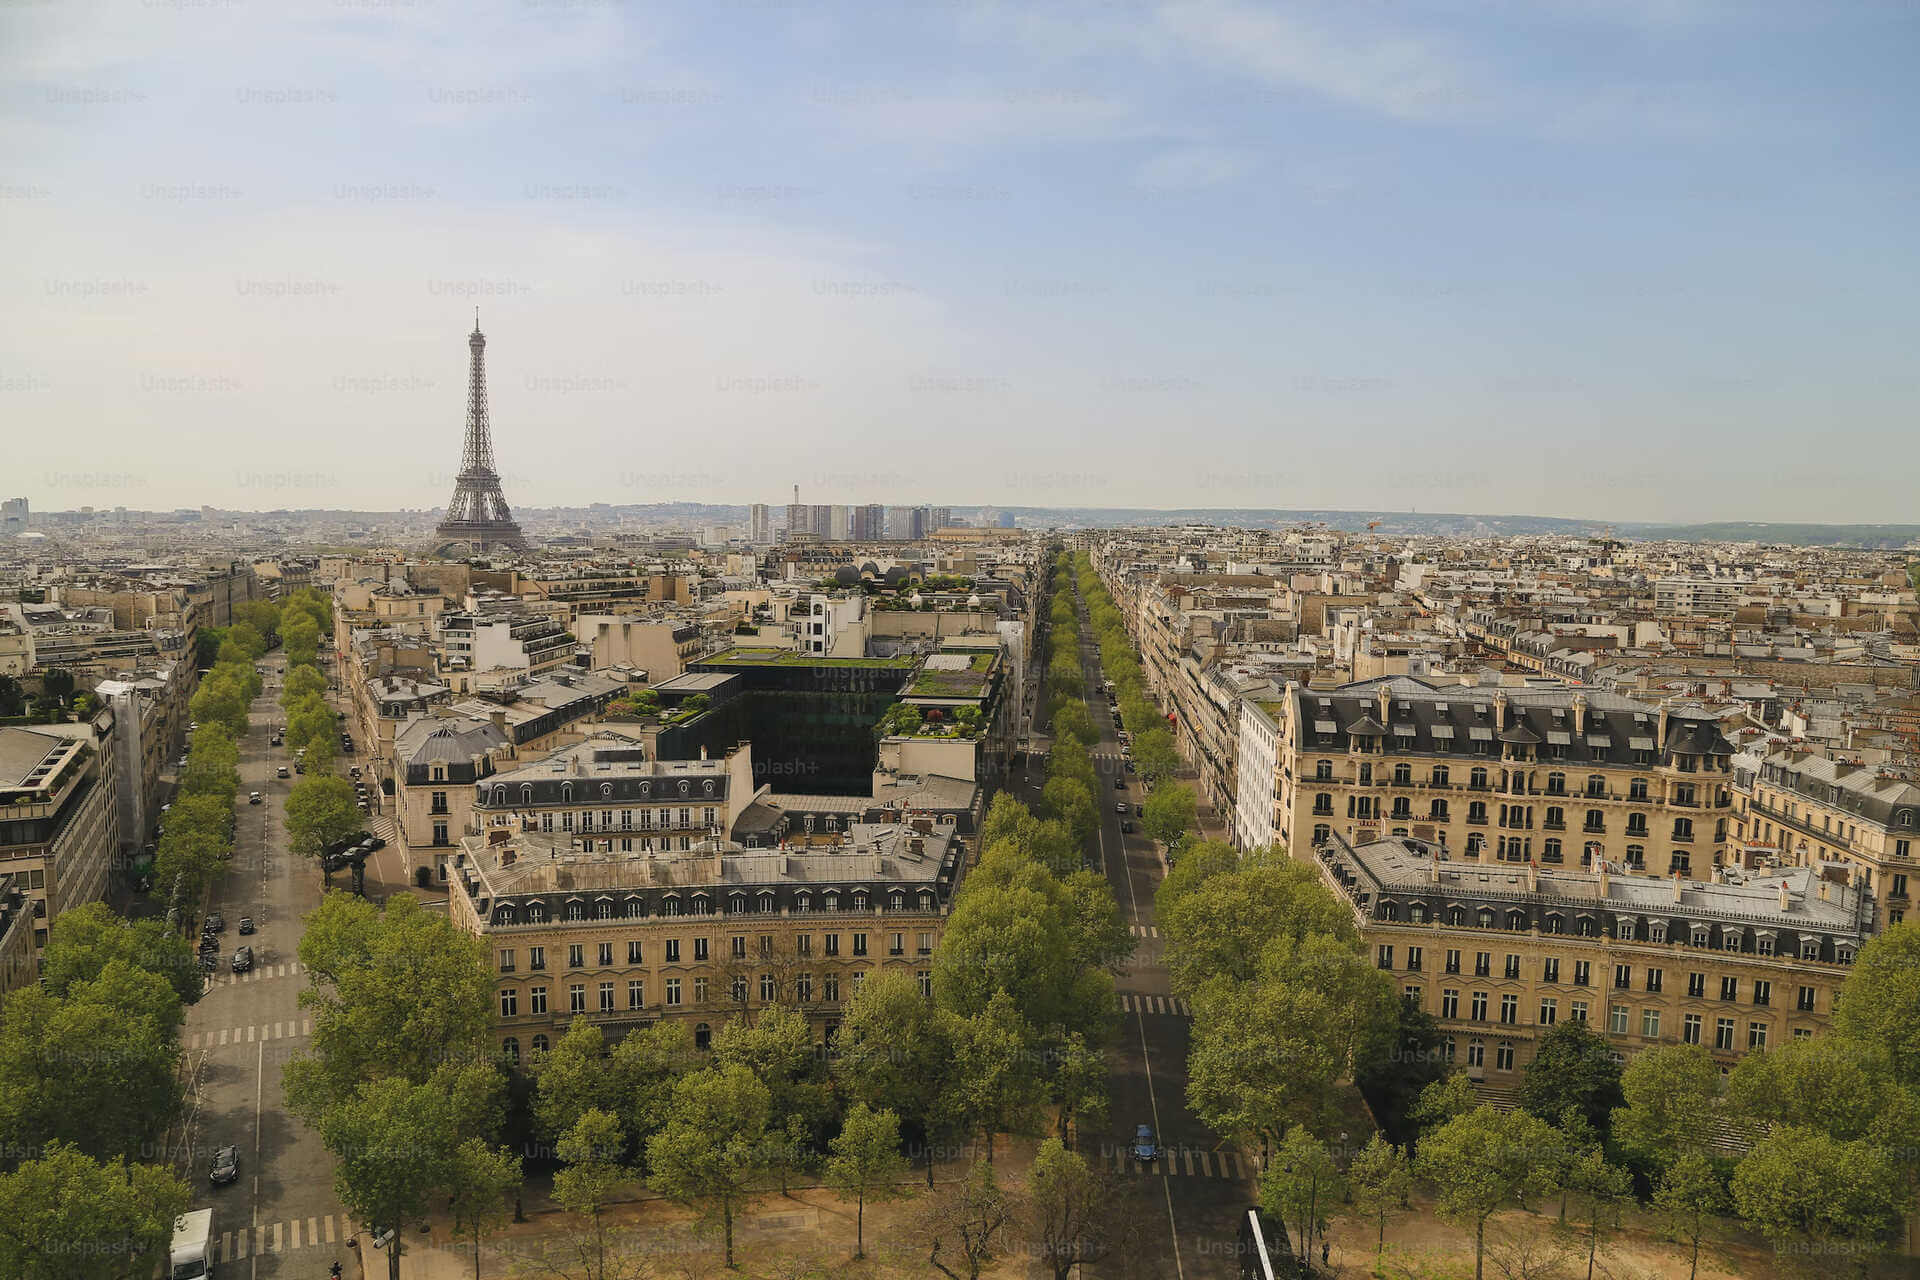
1139,811
1119,784
373,844
1129,766
210,960
254,797
215,922
243,960
226,1166
1144,1148
354,772
1126,828
209,945
246,924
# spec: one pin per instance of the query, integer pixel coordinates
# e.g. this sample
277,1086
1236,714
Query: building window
540,1044
699,950
859,944
830,986
606,954
577,998
636,994
440,837
1549,1012
1449,1004
1483,964
634,951
1762,992
766,988
1510,1009
536,1000
1805,1002
1550,969
1453,961
1503,1057
1650,1024
1617,1019
1623,977
576,955
1756,1035
506,961
1479,1005
606,997
699,990
702,1036
509,1003
1655,979
1582,973
738,990
925,978
1476,1054
673,992
1723,1033
803,988
1577,1011
1690,1029
1729,988
1384,957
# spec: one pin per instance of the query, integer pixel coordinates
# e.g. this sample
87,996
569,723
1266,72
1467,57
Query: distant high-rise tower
478,514
759,524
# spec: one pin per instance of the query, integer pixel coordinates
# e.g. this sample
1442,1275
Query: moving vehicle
215,922
190,1257
1144,1148
246,924
1119,784
1120,807
226,1166
243,960
253,797
354,773
1126,828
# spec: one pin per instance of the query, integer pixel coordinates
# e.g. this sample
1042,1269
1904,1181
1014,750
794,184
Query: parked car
1126,828
210,960
246,924
1119,784
299,766
226,1166
243,960
1144,1148
214,922
281,772
374,844
253,797
1120,806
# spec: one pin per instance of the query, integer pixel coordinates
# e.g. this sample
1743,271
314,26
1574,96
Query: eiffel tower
479,515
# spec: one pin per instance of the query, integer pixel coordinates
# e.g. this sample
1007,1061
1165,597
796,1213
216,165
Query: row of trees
321,808
89,1092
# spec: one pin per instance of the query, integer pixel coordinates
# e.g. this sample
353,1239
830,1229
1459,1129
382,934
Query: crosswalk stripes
291,1028
284,1237
260,973
1178,1162
1145,930
1173,1005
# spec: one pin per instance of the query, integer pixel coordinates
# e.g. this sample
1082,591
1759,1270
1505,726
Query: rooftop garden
905,720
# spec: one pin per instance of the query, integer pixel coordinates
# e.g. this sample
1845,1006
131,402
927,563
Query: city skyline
1189,255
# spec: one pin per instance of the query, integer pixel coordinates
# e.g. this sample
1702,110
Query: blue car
1144,1148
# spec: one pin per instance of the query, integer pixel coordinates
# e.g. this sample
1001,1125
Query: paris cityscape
1076,640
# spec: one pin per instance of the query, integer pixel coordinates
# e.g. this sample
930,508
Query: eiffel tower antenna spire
478,514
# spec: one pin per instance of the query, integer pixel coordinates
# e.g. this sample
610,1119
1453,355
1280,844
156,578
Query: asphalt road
1196,1190
280,1218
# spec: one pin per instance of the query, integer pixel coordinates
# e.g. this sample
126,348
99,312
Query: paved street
1197,1189
281,1217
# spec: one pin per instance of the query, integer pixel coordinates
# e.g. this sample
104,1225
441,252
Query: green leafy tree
302,684
1068,800
1807,1192
1603,1188
478,1185
1170,814
1483,1160
1880,1003
1379,1180
393,1145
1671,1093
591,1151
320,812
85,940
1153,751
895,1053
1414,1057
1573,1066
58,683
13,699
1080,1086
97,1067
1071,1206
997,1087
1690,1197
396,992
864,1163
779,1049
1300,1183
67,1216
712,1146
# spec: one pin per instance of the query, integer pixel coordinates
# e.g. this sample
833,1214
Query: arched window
1456,915
803,901
896,900
1417,913
539,1044
503,915
1484,917
500,795
1477,779
736,903
1556,923
536,912
859,899
702,1036
926,899
1517,921
566,793
526,793
1389,911
646,788
510,1050
1903,818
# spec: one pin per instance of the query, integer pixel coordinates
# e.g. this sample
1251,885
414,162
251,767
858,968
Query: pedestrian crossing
1155,1004
1145,930
287,1029
286,1236
1179,1162
259,973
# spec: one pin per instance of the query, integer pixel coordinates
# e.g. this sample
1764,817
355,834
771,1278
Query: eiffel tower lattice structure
478,515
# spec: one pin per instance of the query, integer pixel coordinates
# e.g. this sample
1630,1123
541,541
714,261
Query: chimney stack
1786,899
1606,876
1433,868
1579,713
1678,881
1533,877
1499,710
1660,738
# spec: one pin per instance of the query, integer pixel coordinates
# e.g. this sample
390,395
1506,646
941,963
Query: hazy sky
1621,259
